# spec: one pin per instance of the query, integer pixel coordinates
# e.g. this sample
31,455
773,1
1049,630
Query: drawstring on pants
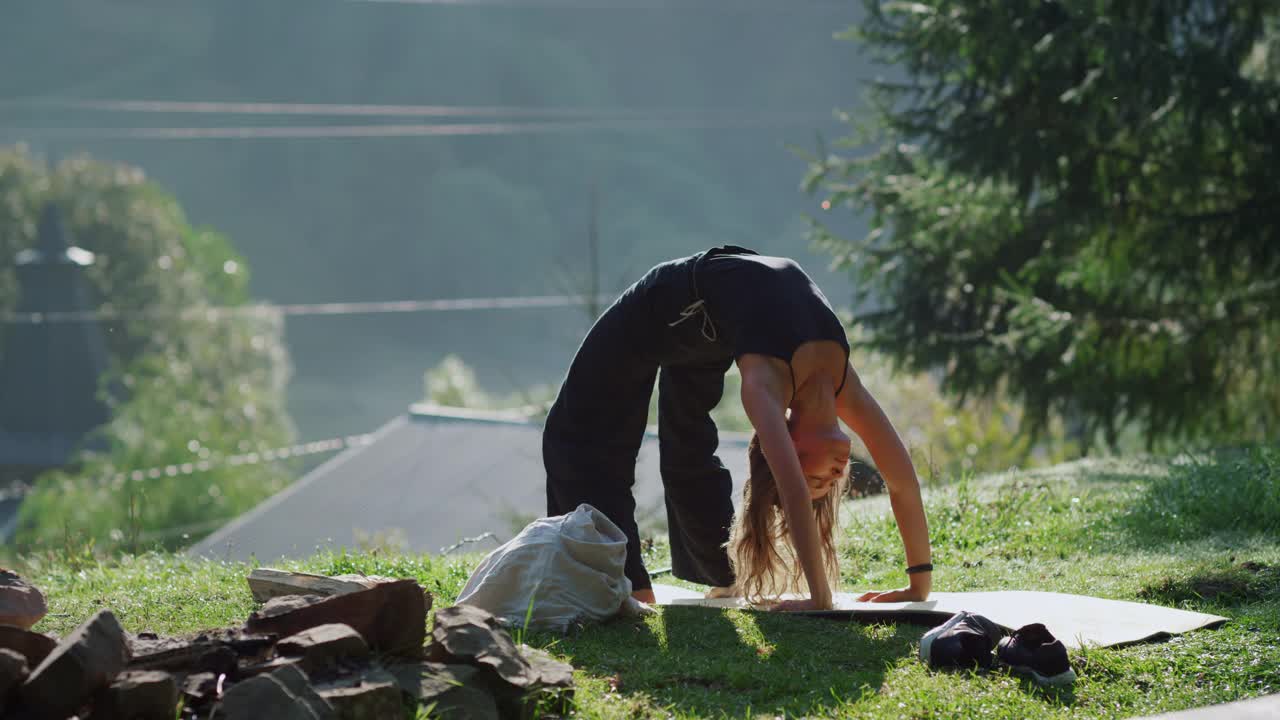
695,308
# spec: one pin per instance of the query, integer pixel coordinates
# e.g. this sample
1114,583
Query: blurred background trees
1071,243
1077,205
182,385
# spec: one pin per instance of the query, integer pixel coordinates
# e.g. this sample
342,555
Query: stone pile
354,648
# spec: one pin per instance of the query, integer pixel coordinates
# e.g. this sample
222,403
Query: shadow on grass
1225,585
710,662
1234,492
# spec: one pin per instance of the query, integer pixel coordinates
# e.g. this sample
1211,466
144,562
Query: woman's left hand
906,594
808,605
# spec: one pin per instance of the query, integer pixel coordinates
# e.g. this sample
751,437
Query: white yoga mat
1076,620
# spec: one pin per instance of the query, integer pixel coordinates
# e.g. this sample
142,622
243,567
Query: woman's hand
809,605
906,594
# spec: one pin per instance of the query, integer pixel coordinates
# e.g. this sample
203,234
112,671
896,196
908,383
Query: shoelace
695,308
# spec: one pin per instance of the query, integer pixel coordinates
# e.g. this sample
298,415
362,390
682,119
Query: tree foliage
184,385
1080,201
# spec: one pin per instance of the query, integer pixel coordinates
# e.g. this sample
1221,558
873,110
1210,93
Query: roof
427,480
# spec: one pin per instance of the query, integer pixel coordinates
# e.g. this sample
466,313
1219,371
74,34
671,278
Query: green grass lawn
1201,535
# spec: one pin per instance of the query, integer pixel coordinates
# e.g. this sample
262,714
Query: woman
692,317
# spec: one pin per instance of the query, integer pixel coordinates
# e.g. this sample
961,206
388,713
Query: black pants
596,426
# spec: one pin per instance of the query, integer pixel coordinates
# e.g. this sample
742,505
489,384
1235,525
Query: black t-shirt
765,305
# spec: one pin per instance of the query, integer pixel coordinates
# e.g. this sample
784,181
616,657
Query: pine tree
1079,203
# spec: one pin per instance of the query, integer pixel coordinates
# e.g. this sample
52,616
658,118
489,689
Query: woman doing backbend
683,324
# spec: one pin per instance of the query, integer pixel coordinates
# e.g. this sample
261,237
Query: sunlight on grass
1100,528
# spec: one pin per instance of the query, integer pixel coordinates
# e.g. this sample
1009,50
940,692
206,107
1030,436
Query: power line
663,5
203,465
213,313
218,107
321,132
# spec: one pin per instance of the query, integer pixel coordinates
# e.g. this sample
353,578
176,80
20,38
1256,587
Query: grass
1201,534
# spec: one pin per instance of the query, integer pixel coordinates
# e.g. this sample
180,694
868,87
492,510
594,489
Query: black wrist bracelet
924,567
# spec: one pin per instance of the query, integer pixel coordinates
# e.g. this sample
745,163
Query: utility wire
320,132
204,465
663,5
508,112
213,313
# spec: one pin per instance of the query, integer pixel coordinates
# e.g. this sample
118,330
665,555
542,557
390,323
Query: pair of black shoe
967,640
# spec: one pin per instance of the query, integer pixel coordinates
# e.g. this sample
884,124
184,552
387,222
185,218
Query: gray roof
428,480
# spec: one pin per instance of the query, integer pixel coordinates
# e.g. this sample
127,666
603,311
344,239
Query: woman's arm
763,405
859,410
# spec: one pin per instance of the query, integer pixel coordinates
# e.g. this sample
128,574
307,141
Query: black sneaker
966,640
1034,651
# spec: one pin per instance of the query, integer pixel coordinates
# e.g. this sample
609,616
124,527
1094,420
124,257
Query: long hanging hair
760,550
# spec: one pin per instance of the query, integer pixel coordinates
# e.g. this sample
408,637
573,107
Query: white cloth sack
569,567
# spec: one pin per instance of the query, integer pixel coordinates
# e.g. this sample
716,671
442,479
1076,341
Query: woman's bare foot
722,592
645,596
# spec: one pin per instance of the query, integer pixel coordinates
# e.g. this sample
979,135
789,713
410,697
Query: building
428,480
50,362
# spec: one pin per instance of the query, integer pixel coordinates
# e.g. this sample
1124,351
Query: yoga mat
1076,620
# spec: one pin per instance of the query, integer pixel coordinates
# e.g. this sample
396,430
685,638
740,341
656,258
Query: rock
324,645
269,666
285,604
527,680
214,651
267,583
21,604
366,675
468,634
297,682
13,670
34,646
455,691
83,663
285,694
193,658
549,692
550,671
200,688
390,616
138,695
367,701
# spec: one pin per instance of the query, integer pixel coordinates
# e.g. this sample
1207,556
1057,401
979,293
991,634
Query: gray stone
524,679
199,688
553,691
202,653
324,644
21,603
270,666
549,671
297,682
367,675
390,616
34,646
267,583
139,695
83,663
455,691
285,694
13,670
471,635
285,604
366,701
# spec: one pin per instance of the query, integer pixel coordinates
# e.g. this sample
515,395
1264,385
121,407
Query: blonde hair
764,561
